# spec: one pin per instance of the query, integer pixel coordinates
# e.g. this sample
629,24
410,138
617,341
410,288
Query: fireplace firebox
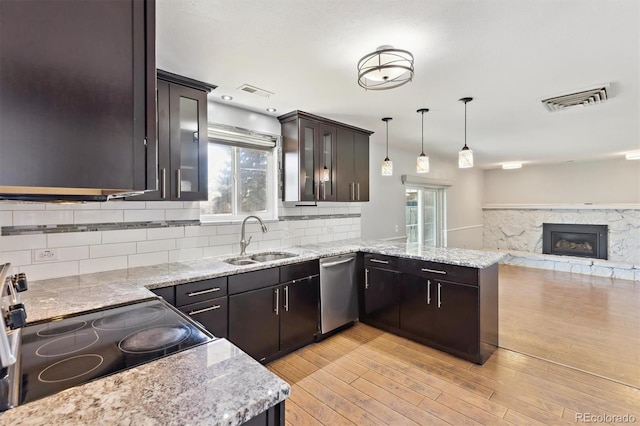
575,240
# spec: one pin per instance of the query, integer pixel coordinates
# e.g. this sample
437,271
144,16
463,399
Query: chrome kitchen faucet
245,243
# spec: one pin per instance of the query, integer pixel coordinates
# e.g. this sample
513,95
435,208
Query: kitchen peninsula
215,383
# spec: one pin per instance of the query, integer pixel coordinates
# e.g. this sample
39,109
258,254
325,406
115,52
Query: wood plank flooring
590,323
364,376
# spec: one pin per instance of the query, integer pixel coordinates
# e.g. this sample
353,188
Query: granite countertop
212,384
215,383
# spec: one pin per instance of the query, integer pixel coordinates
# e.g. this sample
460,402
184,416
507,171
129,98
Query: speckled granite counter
215,383
212,384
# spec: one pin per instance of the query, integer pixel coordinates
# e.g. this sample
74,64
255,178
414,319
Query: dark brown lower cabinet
274,416
417,313
268,322
212,314
381,305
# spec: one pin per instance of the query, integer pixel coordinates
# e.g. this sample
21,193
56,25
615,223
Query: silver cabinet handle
163,183
276,309
384,262
199,311
435,271
351,192
198,293
286,298
317,194
178,183
339,262
358,191
366,278
439,301
428,292
324,190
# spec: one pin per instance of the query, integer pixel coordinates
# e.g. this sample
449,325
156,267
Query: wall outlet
45,255
396,228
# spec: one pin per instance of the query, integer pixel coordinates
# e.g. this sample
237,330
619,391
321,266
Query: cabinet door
77,93
361,166
188,125
254,319
212,314
457,321
417,306
381,299
326,160
299,313
309,185
345,171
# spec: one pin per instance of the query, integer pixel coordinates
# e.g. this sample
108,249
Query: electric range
67,352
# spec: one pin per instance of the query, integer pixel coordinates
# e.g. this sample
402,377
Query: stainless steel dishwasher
338,293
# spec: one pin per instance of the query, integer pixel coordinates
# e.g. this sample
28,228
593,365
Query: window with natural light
242,181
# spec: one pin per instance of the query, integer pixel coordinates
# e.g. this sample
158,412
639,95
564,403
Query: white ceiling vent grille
255,90
596,95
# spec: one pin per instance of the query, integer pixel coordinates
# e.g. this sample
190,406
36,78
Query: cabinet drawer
380,261
253,280
212,314
299,270
199,291
455,273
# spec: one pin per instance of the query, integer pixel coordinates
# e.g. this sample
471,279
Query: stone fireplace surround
517,231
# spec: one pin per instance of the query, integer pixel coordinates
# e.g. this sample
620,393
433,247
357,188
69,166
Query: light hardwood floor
365,376
590,323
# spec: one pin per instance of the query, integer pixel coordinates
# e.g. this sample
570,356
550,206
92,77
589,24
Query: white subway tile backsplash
17,258
155,245
311,239
42,217
324,238
191,205
267,245
20,205
73,206
230,229
43,271
200,231
6,218
123,236
110,250
164,205
21,242
98,216
191,242
147,259
163,233
123,205
219,240
69,239
182,214
103,264
73,253
185,254
143,215
215,251
313,231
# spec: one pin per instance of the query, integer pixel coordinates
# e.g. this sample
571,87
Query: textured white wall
604,181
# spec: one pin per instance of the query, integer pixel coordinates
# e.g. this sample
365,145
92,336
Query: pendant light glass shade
422,163
465,156
325,175
387,165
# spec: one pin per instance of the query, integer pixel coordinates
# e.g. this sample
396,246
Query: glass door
425,216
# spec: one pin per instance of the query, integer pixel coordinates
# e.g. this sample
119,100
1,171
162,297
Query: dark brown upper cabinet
320,158
182,139
77,98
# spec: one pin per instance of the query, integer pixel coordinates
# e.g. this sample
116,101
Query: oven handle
199,311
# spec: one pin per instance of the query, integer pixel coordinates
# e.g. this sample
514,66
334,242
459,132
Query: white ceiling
506,54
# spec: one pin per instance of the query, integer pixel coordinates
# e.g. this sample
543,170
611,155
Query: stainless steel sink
265,257
259,258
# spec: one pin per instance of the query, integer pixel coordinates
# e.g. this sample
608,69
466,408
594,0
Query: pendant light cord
465,125
422,153
387,139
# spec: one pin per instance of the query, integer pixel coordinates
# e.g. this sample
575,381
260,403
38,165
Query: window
425,216
242,181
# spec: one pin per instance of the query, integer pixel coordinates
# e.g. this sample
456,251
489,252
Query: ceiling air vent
255,90
596,95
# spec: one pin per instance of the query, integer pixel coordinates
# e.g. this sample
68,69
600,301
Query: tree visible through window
240,182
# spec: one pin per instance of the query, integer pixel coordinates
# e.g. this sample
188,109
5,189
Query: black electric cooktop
59,354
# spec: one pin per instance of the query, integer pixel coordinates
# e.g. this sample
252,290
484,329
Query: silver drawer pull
198,293
384,262
435,271
199,311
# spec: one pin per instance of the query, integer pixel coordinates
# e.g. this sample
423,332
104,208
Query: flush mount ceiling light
465,156
422,163
512,165
386,68
271,110
387,165
226,98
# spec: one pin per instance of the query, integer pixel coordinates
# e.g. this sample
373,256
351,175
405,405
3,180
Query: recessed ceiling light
271,110
633,155
226,98
510,166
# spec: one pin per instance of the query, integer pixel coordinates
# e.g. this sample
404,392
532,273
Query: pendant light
387,165
465,156
422,163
